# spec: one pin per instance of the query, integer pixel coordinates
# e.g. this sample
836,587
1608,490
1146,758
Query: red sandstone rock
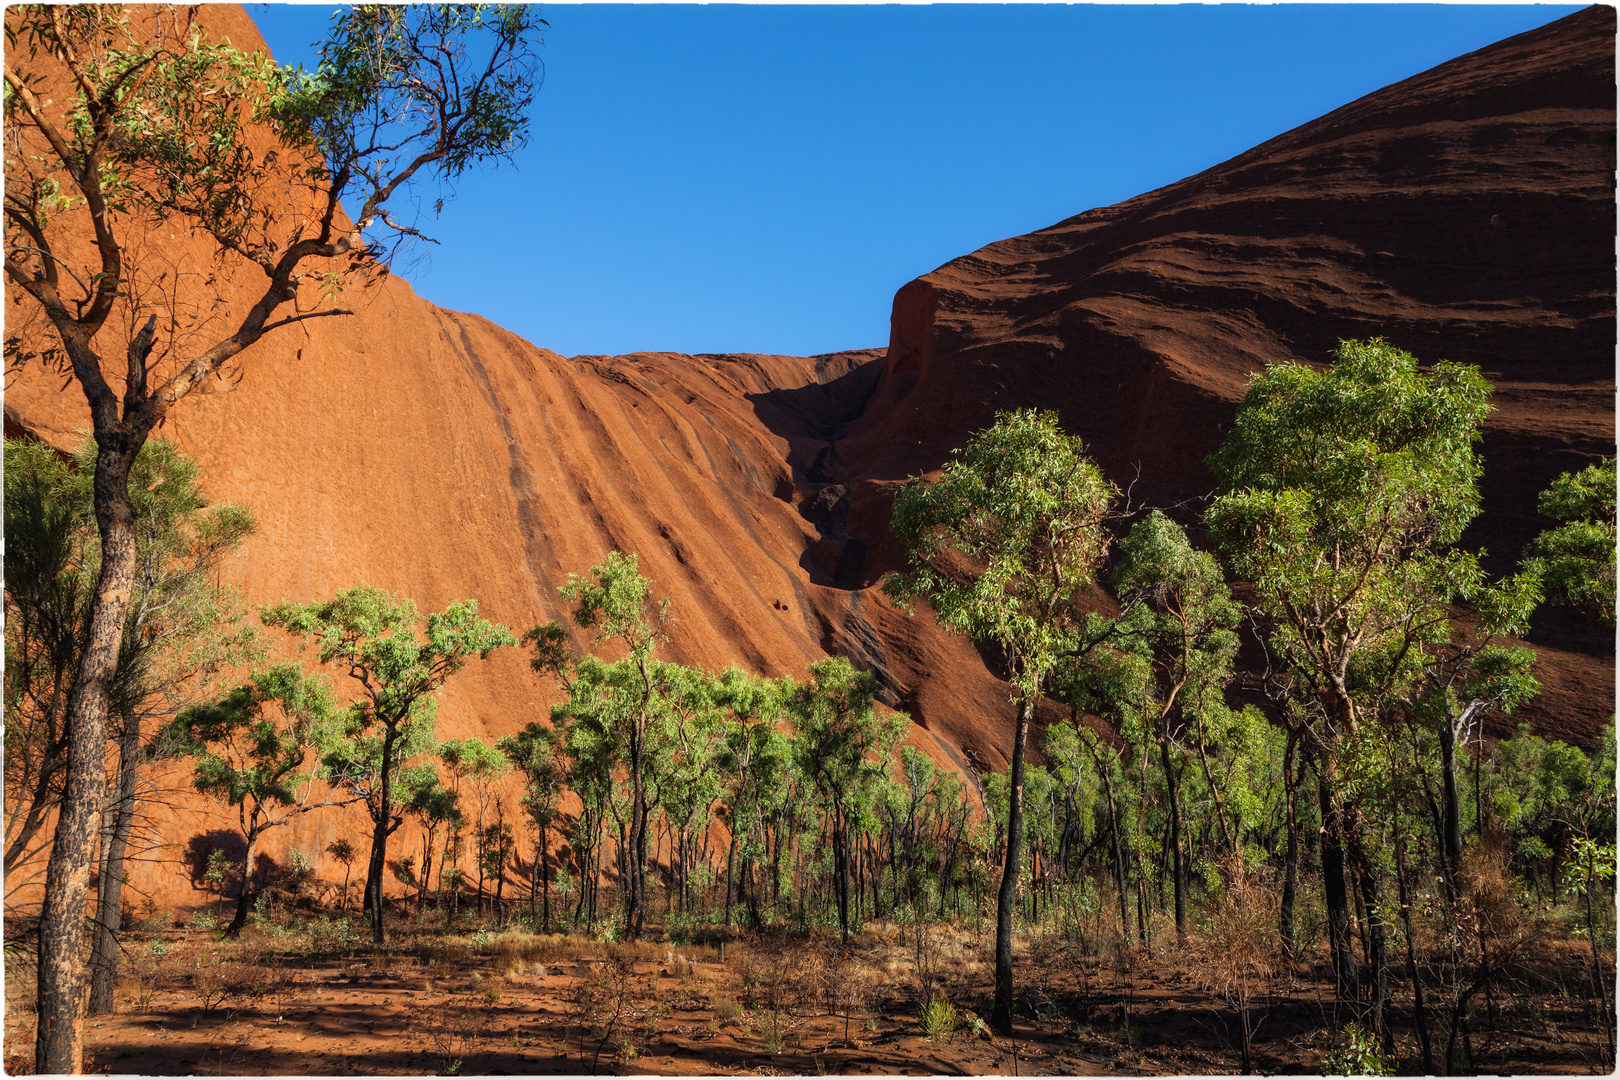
1464,214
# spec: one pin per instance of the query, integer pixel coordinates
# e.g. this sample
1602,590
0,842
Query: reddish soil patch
439,1005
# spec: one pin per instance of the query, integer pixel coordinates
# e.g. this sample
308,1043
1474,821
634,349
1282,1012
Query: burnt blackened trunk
840,871
731,859
1291,857
379,839
1377,948
110,899
1002,1015
1179,864
1336,895
59,1037
1117,840
1419,1012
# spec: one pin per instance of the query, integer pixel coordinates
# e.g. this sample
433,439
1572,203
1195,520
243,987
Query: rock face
1466,214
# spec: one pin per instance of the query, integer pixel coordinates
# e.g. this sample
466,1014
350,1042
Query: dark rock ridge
1466,214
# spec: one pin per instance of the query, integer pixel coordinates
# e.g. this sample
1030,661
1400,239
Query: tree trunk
379,841
534,876
1336,895
1180,865
1377,951
1002,1015
427,872
632,844
731,858
110,900
840,871
1291,858
59,1038
1419,1012
247,872
1450,818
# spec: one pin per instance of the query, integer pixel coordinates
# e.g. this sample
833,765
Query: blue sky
738,178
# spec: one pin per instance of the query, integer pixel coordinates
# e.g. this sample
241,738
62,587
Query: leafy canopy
373,635
1006,539
249,744
1341,492
1576,558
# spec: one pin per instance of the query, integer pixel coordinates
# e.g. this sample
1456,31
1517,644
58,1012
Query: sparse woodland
1253,820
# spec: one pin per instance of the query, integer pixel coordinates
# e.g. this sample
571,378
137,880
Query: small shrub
940,1019
1358,1057
212,987
330,935
772,1032
455,1027
725,1008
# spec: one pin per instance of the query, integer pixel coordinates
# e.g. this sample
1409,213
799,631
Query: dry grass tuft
521,947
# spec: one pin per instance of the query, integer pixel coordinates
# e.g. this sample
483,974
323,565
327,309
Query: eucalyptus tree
619,707
372,636
1076,750
844,746
1576,558
1341,494
1459,682
343,851
1003,545
180,630
248,747
540,755
1180,633
903,803
434,807
751,765
483,766
684,771
125,120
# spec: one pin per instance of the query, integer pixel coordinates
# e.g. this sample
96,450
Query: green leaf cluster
1576,558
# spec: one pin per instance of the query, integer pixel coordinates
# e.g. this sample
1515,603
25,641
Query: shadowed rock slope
1464,214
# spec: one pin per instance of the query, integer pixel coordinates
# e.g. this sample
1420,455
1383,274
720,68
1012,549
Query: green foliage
538,753
180,628
216,870
1007,538
613,602
1576,559
1341,492
372,635
940,1020
1358,1057
430,85
248,744
840,740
